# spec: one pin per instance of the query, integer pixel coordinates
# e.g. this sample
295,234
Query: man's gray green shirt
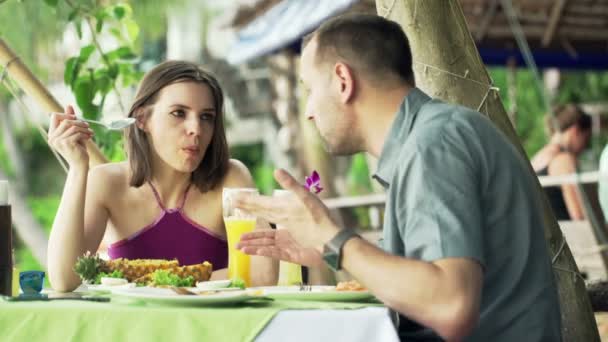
457,188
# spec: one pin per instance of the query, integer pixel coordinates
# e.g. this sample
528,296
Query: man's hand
279,244
303,214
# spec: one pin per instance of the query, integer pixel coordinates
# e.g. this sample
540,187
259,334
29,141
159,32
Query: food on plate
114,275
237,282
166,278
352,285
142,271
213,285
110,281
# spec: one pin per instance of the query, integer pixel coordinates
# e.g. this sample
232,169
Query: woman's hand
68,136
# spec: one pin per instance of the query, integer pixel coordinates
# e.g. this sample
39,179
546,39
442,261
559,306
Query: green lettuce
163,277
237,282
114,274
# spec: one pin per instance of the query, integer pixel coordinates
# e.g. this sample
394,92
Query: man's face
323,106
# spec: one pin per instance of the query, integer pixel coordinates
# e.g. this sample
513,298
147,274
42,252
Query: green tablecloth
135,321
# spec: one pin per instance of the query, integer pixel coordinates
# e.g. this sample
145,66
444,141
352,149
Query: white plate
101,287
215,285
316,293
168,297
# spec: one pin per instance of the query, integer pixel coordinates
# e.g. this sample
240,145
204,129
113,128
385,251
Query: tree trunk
442,46
34,88
28,229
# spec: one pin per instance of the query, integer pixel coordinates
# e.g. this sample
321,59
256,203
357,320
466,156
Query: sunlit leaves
94,73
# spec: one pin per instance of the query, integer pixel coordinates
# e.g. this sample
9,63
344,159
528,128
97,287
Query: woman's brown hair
214,165
567,116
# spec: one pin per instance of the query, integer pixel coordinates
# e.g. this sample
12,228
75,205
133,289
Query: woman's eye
207,117
178,113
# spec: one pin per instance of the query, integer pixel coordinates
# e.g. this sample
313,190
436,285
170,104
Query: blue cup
31,282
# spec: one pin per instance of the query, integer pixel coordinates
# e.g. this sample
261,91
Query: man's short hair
374,46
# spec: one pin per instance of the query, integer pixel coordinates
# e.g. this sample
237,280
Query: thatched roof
569,25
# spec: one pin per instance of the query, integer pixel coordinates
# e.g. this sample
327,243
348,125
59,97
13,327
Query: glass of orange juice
289,273
237,223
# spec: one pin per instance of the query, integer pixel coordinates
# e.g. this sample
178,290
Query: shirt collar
400,128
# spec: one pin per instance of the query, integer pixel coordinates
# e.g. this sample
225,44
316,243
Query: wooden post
447,66
36,90
6,251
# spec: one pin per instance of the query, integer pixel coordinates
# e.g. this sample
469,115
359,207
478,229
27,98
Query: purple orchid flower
313,182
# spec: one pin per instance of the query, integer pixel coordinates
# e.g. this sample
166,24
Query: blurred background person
570,132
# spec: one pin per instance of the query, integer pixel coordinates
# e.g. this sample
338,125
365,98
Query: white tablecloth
365,325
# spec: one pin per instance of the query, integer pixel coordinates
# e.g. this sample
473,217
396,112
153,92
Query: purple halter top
173,236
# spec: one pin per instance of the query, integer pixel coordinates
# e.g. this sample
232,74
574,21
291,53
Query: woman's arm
78,227
219,274
562,164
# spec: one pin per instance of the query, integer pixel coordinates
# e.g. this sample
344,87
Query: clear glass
15,284
237,222
289,273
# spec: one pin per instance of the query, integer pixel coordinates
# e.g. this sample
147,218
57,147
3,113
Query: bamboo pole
36,90
447,66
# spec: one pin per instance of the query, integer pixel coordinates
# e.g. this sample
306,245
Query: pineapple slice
137,268
200,272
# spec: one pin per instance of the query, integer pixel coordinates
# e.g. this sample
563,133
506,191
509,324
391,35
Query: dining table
260,318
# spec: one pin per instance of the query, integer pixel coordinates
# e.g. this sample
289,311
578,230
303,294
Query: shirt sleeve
439,208
603,184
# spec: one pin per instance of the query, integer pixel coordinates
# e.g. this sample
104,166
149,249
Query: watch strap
332,251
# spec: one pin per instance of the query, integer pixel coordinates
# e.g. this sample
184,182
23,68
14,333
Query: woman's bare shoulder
238,175
562,163
111,177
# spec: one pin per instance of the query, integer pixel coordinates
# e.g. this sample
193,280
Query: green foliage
530,107
580,87
262,171
358,177
29,27
45,175
43,209
358,182
5,163
94,73
263,176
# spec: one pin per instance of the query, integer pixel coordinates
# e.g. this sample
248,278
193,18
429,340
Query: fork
182,291
305,288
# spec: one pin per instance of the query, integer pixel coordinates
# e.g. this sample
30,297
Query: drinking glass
237,222
289,273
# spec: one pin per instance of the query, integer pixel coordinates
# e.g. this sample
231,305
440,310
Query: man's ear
346,81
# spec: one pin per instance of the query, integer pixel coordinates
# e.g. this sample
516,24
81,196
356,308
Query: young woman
165,201
559,157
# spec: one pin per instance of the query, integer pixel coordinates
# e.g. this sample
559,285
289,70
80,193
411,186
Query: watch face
331,259
332,251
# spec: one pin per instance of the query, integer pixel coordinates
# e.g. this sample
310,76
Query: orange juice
289,274
238,262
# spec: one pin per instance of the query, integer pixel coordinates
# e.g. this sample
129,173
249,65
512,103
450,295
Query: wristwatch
332,250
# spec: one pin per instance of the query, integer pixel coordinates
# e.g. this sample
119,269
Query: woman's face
580,141
181,125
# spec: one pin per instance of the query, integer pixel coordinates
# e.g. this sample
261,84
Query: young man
463,254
